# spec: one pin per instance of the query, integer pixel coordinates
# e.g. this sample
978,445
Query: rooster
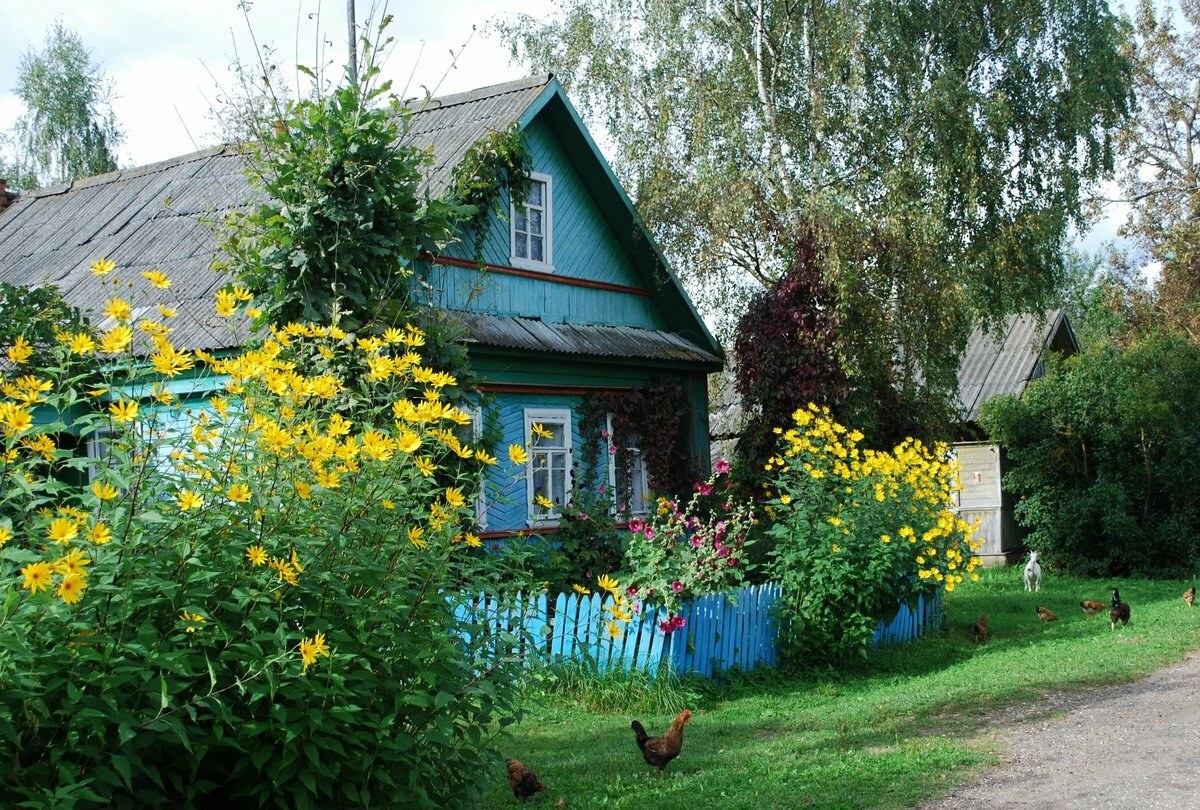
1046,614
658,751
980,629
524,781
1091,608
1189,596
1119,612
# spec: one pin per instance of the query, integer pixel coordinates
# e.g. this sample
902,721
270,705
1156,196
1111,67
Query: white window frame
481,505
547,209
638,472
98,450
559,416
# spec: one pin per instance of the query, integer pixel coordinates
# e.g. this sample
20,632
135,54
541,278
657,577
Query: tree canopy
69,128
938,151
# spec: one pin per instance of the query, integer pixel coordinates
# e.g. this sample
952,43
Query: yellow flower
226,303
20,351
257,555
189,500
62,530
15,418
303,490
195,621
102,267
124,410
426,466
5,535
310,649
582,591
157,279
486,457
517,454
454,497
539,431
785,499
607,583
239,493
544,502
473,540
118,309
614,630
37,576
167,312
71,588
415,536
886,538
116,340
81,343
393,335
387,504
837,549
100,534
104,490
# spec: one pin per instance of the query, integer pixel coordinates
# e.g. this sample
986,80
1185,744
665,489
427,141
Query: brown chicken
980,628
658,751
1119,612
1091,608
524,781
1189,596
1046,614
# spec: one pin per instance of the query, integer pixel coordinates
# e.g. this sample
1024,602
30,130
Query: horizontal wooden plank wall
720,633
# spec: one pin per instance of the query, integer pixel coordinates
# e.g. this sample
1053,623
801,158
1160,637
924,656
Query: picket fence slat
721,631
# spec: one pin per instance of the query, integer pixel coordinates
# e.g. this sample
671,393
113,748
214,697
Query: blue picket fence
720,633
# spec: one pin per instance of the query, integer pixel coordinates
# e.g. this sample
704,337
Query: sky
168,59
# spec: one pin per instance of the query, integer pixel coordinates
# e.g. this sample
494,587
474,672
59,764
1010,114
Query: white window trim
612,476
481,504
543,415
97,451
546,266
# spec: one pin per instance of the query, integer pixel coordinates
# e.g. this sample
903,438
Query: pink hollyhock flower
677,586
679,622
631,591
719,535
649,533
636,525
721,467
601,490
666,626
637,608
733,561
697,541
604,434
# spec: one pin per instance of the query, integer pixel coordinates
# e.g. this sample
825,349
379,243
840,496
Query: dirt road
1131,746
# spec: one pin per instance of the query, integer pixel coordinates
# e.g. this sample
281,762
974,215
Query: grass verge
905,726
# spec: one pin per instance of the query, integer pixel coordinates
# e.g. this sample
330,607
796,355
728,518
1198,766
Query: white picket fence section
720,633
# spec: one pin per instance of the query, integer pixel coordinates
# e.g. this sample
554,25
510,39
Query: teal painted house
569,301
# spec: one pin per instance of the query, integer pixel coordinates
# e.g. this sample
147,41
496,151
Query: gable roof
1007,360
160,217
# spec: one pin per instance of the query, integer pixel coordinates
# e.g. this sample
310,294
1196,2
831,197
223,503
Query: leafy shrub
855,531
1106,459
255,598
693,548
587,541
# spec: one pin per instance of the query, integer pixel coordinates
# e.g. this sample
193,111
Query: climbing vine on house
495,162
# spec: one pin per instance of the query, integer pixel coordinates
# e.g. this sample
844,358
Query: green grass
905,726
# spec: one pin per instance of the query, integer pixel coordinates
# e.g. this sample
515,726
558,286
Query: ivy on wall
493,163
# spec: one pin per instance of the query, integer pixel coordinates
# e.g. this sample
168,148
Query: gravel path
1136,745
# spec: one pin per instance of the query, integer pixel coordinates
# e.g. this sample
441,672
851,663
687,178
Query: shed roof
161,216
1006,360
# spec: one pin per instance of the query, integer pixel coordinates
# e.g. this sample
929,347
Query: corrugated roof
159,216
532,334
1005,361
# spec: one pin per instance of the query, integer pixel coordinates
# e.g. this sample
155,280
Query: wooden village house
996,363
572,296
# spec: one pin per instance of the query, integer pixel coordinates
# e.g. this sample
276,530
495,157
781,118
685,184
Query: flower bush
245,597
855,530
690,549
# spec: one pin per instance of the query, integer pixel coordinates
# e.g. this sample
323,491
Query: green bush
1105,459
254,601
855,532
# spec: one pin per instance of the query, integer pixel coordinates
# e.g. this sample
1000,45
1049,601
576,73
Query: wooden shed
1000,362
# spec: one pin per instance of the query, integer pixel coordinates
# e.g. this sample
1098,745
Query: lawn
903,727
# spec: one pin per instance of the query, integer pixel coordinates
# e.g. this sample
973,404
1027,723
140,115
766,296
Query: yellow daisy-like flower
257,555
239,493
81,343
582,591
102,267
62,530
473,540
167,312
539,431
104,490
311,648
14,418
517,454
194,621
20,351
544,502
426,466
303,490
189,500
71,588
116,340
614,630
416,537
100,534
5,535
226,303
454,497
118,309
607,583
486,457
124,410
157,279
37,576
